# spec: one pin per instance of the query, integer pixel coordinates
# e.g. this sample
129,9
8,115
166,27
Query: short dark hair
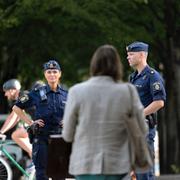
106,61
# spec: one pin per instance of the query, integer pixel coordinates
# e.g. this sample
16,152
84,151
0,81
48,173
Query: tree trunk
169,127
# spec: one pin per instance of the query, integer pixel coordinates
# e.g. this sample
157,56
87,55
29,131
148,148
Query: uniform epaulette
40,87
151,71
63,89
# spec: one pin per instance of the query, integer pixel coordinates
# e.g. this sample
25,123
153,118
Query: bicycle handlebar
2,137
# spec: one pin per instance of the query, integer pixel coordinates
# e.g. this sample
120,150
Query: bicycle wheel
5,170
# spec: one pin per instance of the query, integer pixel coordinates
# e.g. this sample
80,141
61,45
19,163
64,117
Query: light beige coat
94,120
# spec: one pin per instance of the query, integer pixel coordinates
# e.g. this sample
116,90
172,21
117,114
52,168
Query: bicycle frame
4,151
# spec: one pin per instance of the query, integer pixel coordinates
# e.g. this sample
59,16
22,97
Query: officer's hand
40,122
61,124
133,175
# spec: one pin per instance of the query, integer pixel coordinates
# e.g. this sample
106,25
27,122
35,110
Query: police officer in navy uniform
49,101
151,91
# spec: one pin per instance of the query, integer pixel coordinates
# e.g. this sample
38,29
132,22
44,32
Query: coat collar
101,79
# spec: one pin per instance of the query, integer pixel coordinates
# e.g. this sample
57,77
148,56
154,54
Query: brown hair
106,61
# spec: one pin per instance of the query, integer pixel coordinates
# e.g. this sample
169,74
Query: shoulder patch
40,87
156,86
24,98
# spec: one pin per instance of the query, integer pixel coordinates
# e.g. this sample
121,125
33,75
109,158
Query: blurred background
32,32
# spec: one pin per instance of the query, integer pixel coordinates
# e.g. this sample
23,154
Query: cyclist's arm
10,122
22,115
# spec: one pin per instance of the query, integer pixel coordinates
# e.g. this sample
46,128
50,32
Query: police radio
42,93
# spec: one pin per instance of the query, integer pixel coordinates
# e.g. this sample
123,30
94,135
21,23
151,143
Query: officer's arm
10,122
153,107
22,115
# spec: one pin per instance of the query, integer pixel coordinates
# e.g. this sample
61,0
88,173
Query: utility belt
39,141
50,132
151,120
35,131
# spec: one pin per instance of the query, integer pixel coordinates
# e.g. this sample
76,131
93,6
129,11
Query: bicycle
5,169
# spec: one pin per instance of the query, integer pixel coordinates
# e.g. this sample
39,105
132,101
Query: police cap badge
51,64
137,46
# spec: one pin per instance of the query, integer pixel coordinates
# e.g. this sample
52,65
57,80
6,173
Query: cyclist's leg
20,136
10,122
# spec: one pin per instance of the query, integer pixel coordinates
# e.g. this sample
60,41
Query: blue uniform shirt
149,85
50,109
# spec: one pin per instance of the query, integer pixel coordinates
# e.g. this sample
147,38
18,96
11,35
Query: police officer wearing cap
151,91
49,101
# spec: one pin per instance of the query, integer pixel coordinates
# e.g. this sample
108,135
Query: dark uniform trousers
40,158
150,139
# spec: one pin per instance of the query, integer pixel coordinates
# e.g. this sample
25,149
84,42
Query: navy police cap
51,64
137,46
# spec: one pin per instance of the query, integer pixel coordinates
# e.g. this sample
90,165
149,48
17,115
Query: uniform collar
135,74
144,71
48,89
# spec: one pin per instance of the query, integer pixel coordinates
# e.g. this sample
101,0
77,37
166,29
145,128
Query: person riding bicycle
12,89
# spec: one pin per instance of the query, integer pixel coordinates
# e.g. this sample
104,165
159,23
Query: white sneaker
31,171
30,168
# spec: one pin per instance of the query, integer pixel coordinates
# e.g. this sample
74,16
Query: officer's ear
144,54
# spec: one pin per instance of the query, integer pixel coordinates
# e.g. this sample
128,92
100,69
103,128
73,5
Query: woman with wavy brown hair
95,118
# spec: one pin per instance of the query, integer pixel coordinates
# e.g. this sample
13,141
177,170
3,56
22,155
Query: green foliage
175,169
33,31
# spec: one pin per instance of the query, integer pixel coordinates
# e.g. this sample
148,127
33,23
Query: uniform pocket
42,109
